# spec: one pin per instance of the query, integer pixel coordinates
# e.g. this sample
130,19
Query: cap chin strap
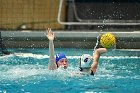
80,68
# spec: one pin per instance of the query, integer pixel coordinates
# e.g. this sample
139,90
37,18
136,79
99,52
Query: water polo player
61,60
88,63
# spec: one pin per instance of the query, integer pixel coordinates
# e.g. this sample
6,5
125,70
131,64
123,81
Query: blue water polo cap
59,56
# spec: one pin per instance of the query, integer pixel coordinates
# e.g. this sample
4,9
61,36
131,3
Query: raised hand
50,34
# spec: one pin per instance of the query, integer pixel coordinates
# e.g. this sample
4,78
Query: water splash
97,42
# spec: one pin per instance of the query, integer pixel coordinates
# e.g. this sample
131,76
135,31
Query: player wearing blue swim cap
61,60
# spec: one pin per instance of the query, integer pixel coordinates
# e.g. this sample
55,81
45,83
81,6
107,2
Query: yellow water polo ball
108,40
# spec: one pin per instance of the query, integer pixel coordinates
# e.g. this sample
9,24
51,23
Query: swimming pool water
26,71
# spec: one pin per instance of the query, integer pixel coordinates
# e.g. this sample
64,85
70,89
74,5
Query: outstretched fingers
50,34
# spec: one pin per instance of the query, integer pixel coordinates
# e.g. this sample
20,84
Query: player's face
63,62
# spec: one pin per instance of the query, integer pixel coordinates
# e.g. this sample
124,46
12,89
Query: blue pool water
26,72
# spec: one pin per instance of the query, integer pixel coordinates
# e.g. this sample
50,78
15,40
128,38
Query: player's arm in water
96,56
52,62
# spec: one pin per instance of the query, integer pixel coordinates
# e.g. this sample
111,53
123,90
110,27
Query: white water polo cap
85,61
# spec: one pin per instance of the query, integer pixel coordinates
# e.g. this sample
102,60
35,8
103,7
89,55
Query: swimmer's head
61,60
85,61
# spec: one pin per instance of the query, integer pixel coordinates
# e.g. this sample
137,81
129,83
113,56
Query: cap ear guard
85,61
80,68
